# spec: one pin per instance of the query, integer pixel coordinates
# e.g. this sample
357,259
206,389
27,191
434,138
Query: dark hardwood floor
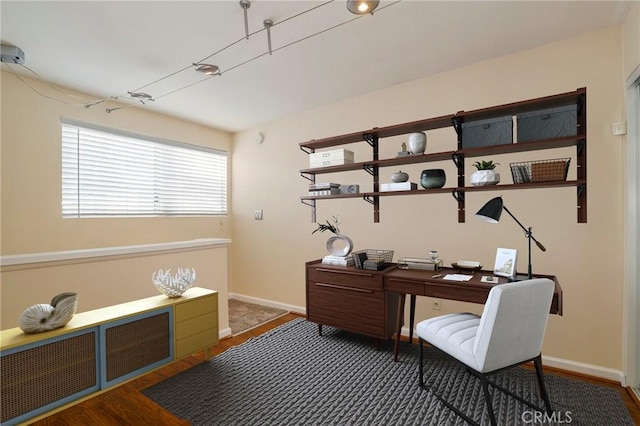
125,405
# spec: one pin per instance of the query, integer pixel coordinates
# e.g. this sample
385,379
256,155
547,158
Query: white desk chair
509,333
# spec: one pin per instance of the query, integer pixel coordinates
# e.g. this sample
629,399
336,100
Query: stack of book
338,260
324,188
419,263
398,186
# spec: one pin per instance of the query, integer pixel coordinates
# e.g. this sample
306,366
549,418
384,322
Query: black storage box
548,123
493,131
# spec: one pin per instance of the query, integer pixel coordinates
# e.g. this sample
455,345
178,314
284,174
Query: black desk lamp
491,212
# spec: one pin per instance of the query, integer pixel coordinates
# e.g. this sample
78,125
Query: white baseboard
225,332
250,299
570,366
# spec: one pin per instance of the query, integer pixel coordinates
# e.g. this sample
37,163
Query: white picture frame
506,263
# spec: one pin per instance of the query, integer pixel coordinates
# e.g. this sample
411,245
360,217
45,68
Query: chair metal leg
543,390
420,368
487,399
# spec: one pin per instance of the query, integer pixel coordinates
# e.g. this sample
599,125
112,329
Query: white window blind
110,173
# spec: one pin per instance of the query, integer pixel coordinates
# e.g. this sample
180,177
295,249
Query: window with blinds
111,173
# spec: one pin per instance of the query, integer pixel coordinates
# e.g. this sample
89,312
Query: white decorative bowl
174,286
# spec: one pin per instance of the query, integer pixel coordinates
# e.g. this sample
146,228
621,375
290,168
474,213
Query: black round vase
433,178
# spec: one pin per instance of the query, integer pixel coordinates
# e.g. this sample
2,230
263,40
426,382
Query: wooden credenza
99,349
351,299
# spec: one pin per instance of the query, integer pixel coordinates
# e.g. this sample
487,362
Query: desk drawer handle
360,274
408,282
361,290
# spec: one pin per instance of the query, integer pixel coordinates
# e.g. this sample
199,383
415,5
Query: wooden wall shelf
373,136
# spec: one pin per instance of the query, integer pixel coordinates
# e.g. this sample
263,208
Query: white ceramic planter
485,177
345,245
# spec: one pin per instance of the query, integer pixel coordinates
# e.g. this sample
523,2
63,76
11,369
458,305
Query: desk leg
412,315
400,319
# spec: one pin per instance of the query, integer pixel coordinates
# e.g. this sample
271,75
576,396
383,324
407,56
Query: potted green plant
485,174
332,226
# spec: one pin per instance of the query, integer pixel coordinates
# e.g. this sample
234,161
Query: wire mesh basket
540,171
372,259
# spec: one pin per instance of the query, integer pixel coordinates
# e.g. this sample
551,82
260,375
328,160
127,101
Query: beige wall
109,280
31,219
631,39
268,256
31,170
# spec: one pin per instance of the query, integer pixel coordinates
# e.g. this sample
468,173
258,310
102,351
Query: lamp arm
526,231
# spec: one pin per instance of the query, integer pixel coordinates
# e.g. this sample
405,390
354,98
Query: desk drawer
362,279
353,309
405,286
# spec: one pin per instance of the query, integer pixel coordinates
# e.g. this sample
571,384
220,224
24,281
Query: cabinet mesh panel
35,377
137,344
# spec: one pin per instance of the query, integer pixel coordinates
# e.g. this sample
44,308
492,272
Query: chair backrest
513,323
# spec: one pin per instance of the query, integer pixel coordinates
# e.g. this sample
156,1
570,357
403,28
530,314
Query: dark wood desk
422,283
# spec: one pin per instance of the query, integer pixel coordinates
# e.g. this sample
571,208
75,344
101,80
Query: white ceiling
107,48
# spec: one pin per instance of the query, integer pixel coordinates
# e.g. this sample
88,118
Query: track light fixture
207,69
245,4
13,55
141,96
362,7
268,23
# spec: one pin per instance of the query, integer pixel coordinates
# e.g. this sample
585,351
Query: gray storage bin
548,123
493,131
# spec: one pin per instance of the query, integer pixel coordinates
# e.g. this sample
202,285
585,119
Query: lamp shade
362,7
491,211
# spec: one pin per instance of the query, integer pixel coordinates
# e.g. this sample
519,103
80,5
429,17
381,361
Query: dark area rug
244,316
293,376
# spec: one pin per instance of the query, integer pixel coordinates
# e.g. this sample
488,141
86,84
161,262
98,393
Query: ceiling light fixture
268,23
207,69
359,7
141,95
245,4
362,7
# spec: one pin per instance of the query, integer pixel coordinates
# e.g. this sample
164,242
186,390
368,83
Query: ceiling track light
268,23
207,69
141,96
245,4
362,7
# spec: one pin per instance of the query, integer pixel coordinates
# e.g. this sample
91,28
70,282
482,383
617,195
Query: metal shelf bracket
457,124
372,140
458,159
308,176
312,204
307,150
370,169
458,195
580,188
369,199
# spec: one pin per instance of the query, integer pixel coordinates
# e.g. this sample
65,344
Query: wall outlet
257,214
437,304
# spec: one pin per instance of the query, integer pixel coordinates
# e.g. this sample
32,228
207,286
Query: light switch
619,128
257,214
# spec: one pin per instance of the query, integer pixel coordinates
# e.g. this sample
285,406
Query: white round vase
417,143
344,241
485,177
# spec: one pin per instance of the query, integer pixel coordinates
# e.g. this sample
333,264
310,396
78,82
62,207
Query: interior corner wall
631,39
31,218
268,256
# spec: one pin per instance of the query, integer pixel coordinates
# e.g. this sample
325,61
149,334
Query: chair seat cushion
454,334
